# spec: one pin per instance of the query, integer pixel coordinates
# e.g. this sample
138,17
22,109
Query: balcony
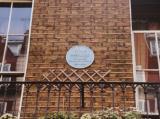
41,98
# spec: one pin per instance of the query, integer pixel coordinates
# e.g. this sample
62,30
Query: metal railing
42,98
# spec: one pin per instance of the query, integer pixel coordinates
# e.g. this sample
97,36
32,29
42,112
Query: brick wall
103,25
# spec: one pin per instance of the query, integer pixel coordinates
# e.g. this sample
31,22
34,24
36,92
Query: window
14,31
145,14
146,56
15,17
6,67
153,48
151,102
146,45
147,65
3,106
151,105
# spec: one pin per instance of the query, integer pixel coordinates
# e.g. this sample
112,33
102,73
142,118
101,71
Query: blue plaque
80,56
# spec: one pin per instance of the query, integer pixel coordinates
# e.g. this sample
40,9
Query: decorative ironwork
42,97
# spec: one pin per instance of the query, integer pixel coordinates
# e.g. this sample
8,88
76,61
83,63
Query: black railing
43,98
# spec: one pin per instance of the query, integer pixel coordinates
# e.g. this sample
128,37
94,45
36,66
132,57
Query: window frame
156,32
15,73
135,69
3,105
137,95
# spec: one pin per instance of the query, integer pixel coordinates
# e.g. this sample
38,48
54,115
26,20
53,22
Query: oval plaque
80,56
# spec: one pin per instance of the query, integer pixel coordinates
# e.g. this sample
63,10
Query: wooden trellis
72,75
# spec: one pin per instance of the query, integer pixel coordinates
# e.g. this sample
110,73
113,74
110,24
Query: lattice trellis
76,75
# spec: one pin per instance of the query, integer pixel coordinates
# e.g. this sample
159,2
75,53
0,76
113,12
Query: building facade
35,36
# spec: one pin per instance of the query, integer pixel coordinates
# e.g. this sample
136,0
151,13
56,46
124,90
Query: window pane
152,76
10,96
4,17
16,53
2,45
145,49
146,57
145,14
20,18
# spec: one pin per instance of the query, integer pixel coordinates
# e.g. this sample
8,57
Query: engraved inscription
80,56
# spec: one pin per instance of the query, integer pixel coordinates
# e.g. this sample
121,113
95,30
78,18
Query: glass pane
16,53
145,49
145,14
10,95
152,76
20,18
2,45
4,17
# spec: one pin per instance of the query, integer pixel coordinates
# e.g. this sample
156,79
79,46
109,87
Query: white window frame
156,32
153,48
156,107
133,51
140,76
7,66
28,46
142,104
3,105
7,40
135,69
